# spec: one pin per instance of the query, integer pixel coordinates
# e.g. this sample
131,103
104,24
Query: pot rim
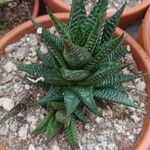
131,11
143,142
144,36
35,10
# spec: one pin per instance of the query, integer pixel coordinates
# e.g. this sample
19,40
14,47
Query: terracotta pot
142,60
144,33
35,10
128,17
2,147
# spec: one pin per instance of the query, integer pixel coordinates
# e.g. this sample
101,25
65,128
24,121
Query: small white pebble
27,86
93,129
111,146
98,120
6,103
142,105
104,144
84,138
10,48
43,49
27,39
141,86
87,127
55,147
31,147
97,147
128,48
39,30
33,54
135,118
8,67
131,137
23,133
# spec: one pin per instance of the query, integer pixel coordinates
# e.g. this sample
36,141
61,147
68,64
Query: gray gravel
118,130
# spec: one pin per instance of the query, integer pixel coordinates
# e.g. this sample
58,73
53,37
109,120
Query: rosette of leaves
82,66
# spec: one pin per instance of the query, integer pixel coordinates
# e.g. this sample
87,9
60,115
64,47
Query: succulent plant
83,66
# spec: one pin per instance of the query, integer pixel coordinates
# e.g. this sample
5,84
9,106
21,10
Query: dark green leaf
77,15
115,96
71,135
71,100
116,79
75,55
53,43
111,24
103,53
54,94
51,76
42,127
117,54
94,38
63,118
105,71
74,75
47,59
57,105
53,127
86,96
61,28
97,15
80,115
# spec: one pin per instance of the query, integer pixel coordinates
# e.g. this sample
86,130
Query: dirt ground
13,13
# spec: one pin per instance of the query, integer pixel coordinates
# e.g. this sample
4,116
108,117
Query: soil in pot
116,131
13,13
113,6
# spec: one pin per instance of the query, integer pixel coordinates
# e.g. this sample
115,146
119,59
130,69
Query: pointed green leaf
80,115
77,15
117,54
63,118
94,38
75,55
57,105
86,96
61,28
74,75
51,76
41,128
116,79
47,59
105,71
71,135
103,53
54,94
111,24
115,96
53,127
98,12
71,100
54,44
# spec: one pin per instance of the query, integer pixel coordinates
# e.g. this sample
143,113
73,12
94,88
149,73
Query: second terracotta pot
142,60
128,18
144,33
35,10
